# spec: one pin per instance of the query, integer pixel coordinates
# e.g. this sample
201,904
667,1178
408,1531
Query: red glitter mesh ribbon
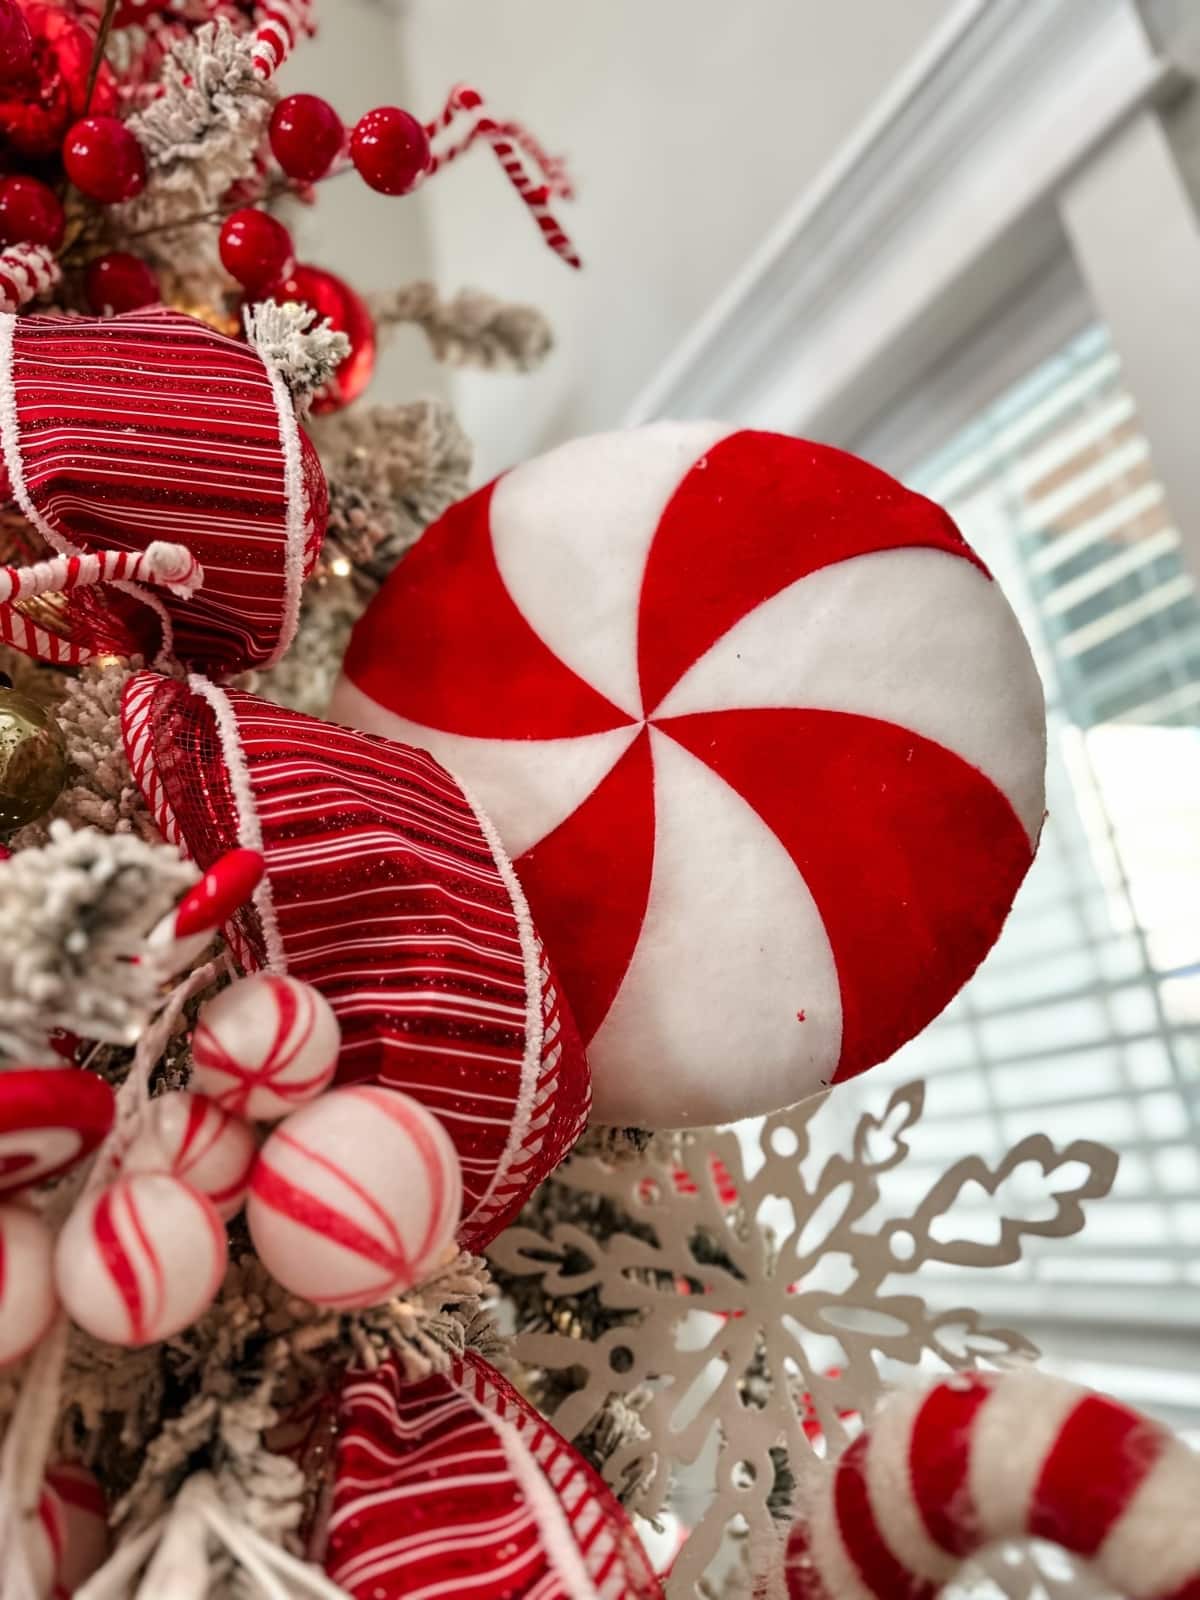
122,431
386,890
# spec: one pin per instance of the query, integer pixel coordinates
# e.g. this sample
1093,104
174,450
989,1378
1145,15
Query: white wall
689,125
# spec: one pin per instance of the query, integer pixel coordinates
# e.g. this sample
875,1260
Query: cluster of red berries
388,146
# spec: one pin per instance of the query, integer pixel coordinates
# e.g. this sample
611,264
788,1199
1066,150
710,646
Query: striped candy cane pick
516,149
207,906
981,1458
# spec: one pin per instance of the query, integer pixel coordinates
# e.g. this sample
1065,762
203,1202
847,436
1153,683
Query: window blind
1082,1023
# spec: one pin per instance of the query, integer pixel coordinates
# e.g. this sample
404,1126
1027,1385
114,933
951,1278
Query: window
1083,1022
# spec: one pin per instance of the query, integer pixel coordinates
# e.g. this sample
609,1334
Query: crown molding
942,204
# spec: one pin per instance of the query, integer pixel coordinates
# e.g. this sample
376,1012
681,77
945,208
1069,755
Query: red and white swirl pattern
457,1486
355,1198
50,1118
385,889
193,1138
759,731
26,271
264,1046
121,431
943,1474
140,1259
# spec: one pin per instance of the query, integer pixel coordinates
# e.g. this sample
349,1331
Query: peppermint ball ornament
759,730
264,1046
195,1139
28,1302
355,1198
141,1259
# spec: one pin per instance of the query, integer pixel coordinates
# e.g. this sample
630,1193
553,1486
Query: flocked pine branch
472,329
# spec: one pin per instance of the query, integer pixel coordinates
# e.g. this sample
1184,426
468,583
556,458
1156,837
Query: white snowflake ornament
755,1298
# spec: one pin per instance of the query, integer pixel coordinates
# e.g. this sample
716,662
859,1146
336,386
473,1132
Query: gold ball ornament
33,761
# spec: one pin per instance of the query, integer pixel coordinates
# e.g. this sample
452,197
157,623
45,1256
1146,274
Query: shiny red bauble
330,297
40,104
256,250
307,136
104,160
16,42
390,148
120,282
30,212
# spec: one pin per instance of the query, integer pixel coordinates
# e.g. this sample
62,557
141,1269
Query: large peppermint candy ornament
385,889
759,730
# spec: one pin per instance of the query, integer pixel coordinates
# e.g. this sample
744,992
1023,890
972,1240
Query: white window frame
1023,132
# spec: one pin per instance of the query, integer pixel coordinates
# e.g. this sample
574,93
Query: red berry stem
98,53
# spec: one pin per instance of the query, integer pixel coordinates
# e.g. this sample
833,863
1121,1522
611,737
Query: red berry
119,282
256,249
390,148
104,161
30,211
16,42
307,136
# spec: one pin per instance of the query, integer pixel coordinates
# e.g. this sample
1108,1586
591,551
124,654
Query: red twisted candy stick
26,271
171,565
981,1458
280,24
513,146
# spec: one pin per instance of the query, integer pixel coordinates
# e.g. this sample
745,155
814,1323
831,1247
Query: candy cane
171,565
26,271
513,145
943,1474
279,24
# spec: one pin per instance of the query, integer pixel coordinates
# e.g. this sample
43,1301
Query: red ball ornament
390,148
307,136
39,106
119,282
30,212
104,160
132,12
331,297
16,42
256,249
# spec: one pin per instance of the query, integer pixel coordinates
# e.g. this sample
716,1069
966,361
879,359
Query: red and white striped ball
85,1522
759,730
45,1542
264,1046
28,1302
141,1259
193,1138
355,1198
50,1118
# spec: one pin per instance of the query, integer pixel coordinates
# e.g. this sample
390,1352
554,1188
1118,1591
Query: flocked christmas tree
743,766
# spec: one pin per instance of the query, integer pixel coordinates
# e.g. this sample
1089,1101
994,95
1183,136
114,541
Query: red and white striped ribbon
981,1458
516,149
26,271
279,24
